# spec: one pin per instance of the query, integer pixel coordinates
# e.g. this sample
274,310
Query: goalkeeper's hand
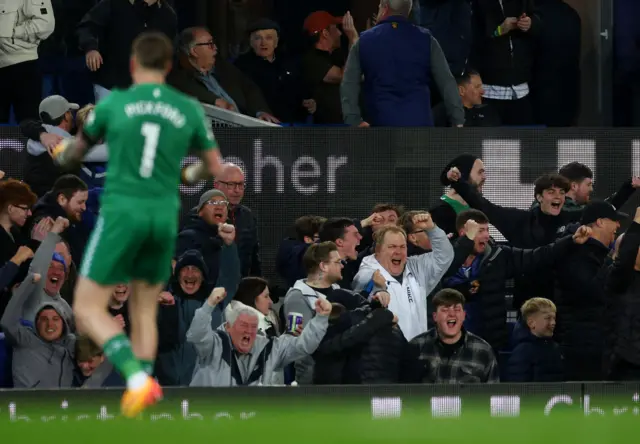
194,173
64,156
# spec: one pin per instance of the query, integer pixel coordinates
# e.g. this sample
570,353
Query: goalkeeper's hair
153,50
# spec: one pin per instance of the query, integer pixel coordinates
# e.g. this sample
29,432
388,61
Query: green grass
307,419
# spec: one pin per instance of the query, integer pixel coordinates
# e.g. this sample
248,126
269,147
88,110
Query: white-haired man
235,355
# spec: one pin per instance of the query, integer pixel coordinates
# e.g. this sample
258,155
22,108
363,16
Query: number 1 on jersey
151,133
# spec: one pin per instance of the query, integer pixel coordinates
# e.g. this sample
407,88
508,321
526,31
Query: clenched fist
582,235
424,218
60,225
471,229
383,297
218,294
379,280
227,232
454,174
23,254
166,298
323,307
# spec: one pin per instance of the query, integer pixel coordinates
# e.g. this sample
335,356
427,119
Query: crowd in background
416,296
472,62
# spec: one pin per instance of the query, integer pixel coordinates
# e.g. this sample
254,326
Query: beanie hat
464,163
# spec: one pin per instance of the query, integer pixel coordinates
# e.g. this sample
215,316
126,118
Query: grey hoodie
219,365
302,299
36,362
35,294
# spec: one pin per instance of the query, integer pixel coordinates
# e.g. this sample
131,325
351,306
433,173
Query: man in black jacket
67,199
480,270
202,231
623,308
232,184
106,34
503,53
580,294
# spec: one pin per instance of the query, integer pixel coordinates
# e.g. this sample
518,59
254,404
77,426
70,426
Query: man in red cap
323,65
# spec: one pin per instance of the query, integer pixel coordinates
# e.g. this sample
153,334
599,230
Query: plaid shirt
474,361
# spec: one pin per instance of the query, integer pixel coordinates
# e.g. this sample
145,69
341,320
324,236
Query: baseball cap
600,209
54,107
319,20
208,195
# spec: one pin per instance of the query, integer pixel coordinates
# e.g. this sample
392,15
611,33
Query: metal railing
222,118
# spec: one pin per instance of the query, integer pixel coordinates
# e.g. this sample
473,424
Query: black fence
344,172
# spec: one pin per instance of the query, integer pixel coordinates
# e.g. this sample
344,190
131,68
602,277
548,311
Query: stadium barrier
376,402
343,172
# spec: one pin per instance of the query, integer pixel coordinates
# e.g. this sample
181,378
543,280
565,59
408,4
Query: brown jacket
242,90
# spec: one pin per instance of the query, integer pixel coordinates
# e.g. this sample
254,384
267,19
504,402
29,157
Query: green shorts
129,245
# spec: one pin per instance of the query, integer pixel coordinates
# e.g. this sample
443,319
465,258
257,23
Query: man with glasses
202,231
232,184
211,79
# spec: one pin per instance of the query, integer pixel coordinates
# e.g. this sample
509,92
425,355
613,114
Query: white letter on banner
389,407
502,161
559,399
505,406
577,150
446,406
635,158
305,167
260,162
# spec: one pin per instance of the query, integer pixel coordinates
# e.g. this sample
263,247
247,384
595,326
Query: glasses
210,44
233,185
420,231
221,203
22,207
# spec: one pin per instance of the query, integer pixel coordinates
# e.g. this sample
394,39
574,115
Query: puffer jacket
534,359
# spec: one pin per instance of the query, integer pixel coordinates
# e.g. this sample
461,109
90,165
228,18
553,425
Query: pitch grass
303,421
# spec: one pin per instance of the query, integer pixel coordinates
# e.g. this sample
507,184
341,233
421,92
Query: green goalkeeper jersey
149,129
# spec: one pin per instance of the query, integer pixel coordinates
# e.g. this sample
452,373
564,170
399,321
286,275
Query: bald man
232,184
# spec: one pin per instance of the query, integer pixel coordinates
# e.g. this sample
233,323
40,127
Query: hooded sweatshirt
37,363
177,358
35,294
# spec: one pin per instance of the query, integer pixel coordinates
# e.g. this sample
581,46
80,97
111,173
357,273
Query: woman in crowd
254,292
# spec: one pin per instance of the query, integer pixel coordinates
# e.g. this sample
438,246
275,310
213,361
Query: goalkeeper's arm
211,165
69,153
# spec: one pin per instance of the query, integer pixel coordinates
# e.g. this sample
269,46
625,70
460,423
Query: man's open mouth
452,323
556,205
396,261
54,280
245,340
190,283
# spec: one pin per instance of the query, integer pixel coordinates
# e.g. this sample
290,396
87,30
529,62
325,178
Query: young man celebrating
149,128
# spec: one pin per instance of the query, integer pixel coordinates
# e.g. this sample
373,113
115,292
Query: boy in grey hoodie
43,355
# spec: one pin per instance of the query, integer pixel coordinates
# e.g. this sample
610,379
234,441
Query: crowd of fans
389,73
398,296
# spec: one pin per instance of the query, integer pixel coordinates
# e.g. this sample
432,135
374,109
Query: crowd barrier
343,172
389,401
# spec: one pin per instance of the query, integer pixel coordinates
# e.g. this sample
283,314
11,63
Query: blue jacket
176,358
450,23
534,359
289,260
395,58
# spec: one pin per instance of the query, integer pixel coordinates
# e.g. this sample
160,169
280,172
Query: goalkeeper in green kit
149,129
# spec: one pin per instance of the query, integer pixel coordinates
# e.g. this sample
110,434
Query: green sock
147,366
118,351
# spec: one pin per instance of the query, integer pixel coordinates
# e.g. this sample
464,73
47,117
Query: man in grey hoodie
235,355
52,268
42,356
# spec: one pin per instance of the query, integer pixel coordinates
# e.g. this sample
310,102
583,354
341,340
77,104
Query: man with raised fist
237,355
